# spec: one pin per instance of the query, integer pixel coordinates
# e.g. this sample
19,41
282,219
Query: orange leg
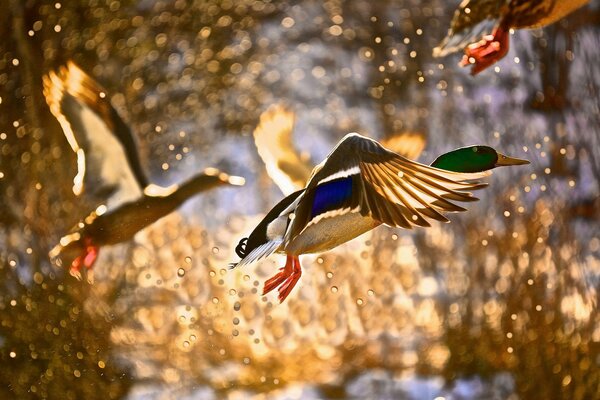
285,279
286,288
87,259
487,51
280,277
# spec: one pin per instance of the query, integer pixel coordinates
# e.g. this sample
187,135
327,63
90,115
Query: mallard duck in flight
108,163
358,187
481,27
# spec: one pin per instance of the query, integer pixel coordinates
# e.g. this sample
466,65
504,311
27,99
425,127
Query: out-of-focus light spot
517,60
507,213
101,364
509,350
419,31
334,289
12,354
31,32
538,308
288,22
566,380
318,72
530,282
509,335
57,28
337,19
571,183
57,6
513,317
428,286
15,62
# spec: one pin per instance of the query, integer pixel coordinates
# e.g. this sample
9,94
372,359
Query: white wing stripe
341,174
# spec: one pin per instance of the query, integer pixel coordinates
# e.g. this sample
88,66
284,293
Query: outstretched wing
362,176
471,21
273,138
107,157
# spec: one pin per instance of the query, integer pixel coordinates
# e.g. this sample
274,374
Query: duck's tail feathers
257,253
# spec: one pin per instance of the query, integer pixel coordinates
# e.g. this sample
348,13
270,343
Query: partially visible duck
481,27
108,163
358,187
289,168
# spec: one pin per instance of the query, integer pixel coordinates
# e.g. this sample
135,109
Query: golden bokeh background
500,303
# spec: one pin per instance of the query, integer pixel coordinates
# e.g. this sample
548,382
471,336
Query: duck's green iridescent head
474,159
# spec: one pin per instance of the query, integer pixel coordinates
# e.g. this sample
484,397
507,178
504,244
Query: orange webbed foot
286,279
487,51
87,259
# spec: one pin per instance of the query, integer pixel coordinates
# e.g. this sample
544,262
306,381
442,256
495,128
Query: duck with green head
359,186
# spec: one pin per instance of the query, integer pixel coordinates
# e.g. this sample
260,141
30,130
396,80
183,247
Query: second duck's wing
273,138
107,157
406,144
360,175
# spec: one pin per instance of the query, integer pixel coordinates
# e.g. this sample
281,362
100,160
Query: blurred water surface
501,303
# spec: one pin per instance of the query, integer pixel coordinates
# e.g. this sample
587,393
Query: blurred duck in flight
108,165
481,28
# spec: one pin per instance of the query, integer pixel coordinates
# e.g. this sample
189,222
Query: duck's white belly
329,233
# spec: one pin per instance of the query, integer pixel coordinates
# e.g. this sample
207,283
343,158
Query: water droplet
180,272
188,259
232,292
246,360
370,292
186,344
330,275
215,250
237,305
359,301
236,321
235,332
193,338
334,289
215,300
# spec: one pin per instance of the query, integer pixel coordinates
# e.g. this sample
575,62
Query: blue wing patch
331,195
